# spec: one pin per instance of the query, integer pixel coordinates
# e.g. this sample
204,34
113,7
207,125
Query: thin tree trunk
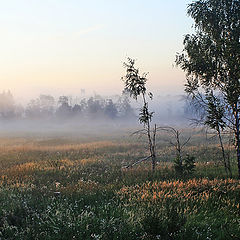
153,148
178,147
237,140
223,152
150,140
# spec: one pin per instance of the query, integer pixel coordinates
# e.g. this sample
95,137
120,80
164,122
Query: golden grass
193,189
65,147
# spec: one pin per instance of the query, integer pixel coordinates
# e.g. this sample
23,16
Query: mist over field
120,120
86,114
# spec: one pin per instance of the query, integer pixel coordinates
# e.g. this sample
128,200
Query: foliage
211,60
184,166
135,85
215,113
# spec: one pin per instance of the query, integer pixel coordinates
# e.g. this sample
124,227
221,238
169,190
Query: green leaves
211,60
134,83
135,86
184,166
212,54
144,115
216,112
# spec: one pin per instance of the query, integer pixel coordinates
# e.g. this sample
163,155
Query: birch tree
211,56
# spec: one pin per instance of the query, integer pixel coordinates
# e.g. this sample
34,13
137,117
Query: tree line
65,107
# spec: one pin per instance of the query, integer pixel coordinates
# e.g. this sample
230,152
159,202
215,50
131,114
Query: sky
62,46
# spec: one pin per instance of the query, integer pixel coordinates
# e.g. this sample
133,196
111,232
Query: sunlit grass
67,190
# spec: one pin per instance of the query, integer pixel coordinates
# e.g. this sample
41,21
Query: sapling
135,85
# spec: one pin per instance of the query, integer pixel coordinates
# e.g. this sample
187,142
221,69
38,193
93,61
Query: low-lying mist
92,115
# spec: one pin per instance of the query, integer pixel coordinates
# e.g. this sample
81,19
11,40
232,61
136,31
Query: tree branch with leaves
211,56
135,85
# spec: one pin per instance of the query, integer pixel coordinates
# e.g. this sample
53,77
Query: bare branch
138,132
186,142
139,161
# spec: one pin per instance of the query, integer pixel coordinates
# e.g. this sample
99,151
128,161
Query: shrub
184,166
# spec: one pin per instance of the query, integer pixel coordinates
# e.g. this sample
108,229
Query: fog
92,115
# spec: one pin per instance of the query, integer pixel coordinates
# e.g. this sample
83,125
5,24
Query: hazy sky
63,46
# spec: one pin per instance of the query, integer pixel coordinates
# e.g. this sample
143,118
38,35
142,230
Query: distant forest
47,107
93,108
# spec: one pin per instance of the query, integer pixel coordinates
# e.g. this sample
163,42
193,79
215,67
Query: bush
184,166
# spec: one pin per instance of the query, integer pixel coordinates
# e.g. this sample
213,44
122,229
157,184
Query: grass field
77,188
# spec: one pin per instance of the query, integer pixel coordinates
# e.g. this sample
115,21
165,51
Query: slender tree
211,111
215,120
135,85
211,56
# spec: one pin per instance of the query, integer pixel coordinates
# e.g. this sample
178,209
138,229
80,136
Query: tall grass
74,190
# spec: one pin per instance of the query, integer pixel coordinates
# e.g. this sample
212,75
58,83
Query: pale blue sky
61,46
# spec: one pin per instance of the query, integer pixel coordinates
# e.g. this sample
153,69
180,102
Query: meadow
76,187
